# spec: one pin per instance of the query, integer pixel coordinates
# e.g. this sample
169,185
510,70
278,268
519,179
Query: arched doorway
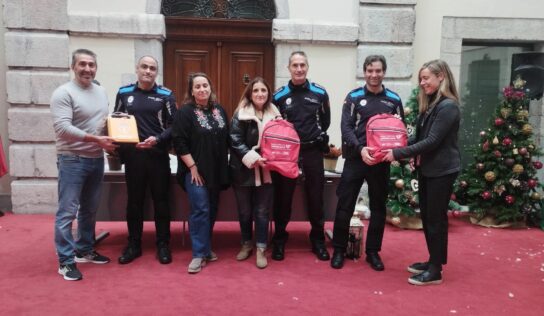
231,41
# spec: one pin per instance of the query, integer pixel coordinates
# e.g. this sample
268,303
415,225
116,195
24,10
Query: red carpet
490,272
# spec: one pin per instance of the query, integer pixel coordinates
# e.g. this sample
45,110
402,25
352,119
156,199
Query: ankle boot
261,258
245,252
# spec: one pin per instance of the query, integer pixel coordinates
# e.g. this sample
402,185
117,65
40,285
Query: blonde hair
446,89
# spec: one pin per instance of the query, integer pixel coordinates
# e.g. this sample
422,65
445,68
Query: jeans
254,202
203,202
354,174
143,169
79,186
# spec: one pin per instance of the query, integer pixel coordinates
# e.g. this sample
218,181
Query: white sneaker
196,265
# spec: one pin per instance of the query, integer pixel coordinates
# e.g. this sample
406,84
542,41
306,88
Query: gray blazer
436,140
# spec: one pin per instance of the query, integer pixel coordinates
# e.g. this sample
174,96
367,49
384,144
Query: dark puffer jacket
245,134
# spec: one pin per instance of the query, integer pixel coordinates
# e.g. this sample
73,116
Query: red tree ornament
486,195
507,141
531,183
509,199
537,164
499,121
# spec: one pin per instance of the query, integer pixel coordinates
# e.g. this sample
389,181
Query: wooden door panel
226,50
187,58
243,67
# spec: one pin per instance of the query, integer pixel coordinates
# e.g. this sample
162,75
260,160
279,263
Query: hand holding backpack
280,146
385,131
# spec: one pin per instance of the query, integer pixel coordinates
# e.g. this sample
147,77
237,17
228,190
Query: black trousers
143,169
353,176
311,161
434,197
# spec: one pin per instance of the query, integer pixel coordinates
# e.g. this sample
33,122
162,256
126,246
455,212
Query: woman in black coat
200,138
252,182
438,162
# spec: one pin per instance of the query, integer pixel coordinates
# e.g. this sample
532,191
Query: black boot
337,261
278,251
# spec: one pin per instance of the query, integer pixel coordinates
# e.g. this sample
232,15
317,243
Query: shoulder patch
355,93
280,92
127,89
314,87
392,94
163,90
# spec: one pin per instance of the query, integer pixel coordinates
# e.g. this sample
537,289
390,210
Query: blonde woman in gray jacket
438,162
251,181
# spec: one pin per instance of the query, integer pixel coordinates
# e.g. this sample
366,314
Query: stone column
37,60
387,27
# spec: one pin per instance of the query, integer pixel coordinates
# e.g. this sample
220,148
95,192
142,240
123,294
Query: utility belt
321,143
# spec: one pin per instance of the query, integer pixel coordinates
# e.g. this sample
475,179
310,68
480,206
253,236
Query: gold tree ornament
517,169
522,115
399,184
505,112
535,196
490,176
527,129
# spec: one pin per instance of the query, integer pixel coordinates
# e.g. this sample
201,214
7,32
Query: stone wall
37,44
37,60
387,27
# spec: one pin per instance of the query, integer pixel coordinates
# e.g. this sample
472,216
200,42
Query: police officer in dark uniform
306,105
147,163
359,105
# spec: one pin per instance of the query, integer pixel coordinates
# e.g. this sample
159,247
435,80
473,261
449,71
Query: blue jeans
79,186
203,202
254,202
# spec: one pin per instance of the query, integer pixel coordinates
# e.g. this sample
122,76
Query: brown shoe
261,258
245,252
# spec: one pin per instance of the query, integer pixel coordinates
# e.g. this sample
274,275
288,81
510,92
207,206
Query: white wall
429,14
115,58
339,11
124,6
334,68
5,187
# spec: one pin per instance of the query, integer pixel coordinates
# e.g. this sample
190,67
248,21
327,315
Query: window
485,70
223,9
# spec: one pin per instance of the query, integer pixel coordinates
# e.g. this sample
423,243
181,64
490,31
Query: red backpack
280,145
385,131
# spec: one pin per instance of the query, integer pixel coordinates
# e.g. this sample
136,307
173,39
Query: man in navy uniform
306,105
360,105
147,163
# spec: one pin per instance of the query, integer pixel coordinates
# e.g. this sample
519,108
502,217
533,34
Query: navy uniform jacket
360,105
154,111
307,107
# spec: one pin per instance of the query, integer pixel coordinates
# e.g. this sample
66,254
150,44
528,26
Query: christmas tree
501,183
403,197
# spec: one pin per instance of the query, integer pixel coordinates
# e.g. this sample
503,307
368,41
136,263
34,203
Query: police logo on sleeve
363,102
130,99
288,101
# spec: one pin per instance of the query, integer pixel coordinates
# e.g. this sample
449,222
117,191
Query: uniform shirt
154,111
307,107
360,105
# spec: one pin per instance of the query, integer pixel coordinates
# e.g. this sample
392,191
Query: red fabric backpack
280,145
385,131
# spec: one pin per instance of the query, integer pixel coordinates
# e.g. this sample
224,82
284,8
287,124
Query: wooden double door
231,52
